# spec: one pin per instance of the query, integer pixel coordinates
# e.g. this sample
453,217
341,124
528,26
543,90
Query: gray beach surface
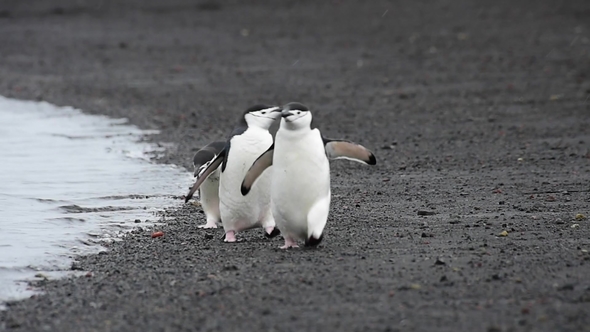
478,113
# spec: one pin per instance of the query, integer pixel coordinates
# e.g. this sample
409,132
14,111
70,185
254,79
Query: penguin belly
301,184
209,198
239,212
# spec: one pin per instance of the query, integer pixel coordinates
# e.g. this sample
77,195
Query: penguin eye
298,112
263,112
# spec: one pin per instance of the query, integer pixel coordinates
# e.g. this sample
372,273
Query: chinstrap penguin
300,187
208,192
247,141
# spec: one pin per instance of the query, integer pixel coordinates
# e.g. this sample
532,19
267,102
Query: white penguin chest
244,150
301,174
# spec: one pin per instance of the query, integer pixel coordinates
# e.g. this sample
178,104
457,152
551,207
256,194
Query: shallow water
68,182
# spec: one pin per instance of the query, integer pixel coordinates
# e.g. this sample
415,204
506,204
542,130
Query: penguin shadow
304,248
310,244
275,232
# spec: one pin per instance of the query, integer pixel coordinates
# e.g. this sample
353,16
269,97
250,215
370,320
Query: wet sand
478,112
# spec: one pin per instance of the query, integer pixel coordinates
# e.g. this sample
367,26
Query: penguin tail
275,232
313,241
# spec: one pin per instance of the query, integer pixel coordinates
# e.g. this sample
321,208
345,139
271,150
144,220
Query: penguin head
261,116
296,115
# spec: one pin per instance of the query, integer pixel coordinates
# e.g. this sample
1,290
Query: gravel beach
476,217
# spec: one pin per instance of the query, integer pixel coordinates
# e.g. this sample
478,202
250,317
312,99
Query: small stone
575,225
426,213
503,233
137,221
439,261
157,234
462,36
566,287
580,217
75,267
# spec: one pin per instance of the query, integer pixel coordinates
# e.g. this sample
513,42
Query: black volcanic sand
478,112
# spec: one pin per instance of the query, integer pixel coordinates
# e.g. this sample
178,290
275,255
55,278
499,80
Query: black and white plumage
300,190
207,154
249,138
208,192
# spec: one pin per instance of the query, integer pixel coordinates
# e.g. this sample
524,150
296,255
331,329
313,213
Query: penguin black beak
285,113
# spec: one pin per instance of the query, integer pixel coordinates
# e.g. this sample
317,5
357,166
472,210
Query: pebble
439,261
426,213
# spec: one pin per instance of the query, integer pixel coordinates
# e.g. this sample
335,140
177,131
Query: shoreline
477,114
95,216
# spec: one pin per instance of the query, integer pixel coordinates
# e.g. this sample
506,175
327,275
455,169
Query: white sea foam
67,182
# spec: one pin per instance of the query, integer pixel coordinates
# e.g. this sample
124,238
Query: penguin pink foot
230,236
209,224
289,243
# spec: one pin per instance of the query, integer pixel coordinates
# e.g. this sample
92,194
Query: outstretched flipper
341,149
207,154
263,162
212,167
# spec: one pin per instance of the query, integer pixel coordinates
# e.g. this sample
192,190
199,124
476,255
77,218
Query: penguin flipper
263,162
213,165
341,149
